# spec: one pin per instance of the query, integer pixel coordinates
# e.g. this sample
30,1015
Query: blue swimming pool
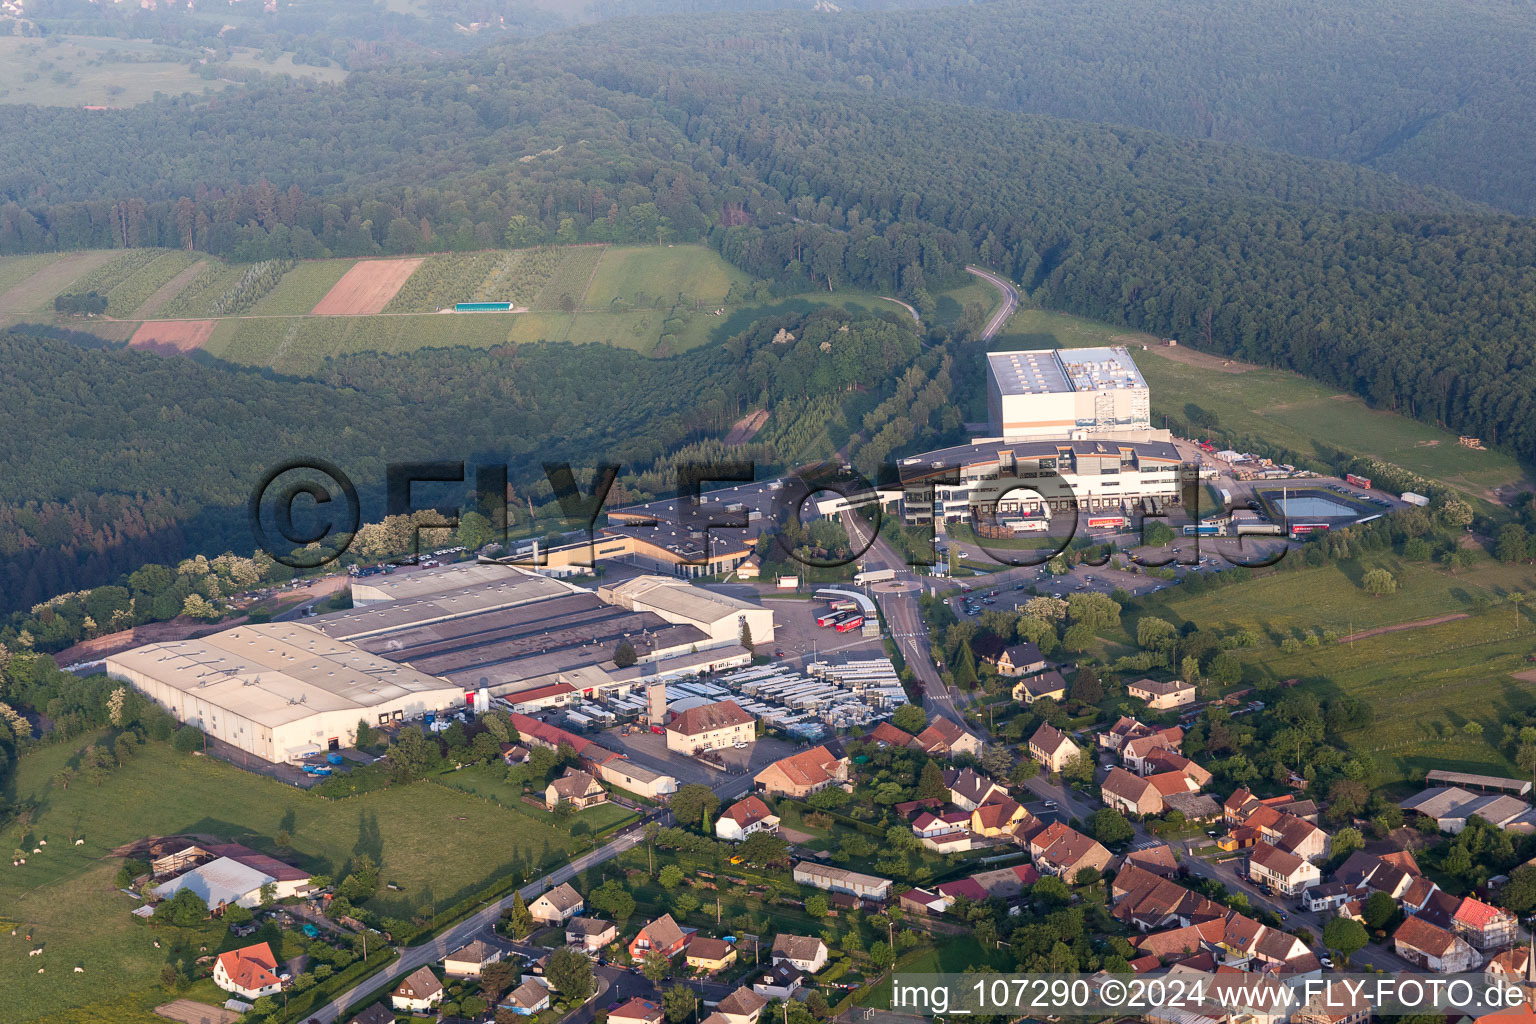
1307,505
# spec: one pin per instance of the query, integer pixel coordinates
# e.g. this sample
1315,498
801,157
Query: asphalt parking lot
797,635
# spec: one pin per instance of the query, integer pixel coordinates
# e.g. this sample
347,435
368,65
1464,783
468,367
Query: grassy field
1424,683
1283,407
98,71
52,277
642,275
653,300
436,843
491,783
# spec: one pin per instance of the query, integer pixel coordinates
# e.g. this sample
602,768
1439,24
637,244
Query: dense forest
773,140
118,457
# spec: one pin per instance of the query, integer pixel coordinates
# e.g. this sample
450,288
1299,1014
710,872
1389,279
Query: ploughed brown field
173,335
366,288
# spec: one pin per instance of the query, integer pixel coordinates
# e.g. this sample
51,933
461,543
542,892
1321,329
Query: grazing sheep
157,943
79,970
42,842
79,842
36,952
40,970
37,849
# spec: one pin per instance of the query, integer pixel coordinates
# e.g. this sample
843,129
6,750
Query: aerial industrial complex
433,640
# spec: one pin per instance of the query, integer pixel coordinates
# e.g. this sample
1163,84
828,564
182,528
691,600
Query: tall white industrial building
1066,393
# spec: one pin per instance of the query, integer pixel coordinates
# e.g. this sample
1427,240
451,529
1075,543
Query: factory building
720,615
1037,478
1065,393
429,641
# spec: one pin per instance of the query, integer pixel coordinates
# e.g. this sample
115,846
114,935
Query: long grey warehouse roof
277,672
988,451
508,589
409,583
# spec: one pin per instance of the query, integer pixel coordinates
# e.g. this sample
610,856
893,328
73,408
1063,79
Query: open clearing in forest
173,335
366,288
38,290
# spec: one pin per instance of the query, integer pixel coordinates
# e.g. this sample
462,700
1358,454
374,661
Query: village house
419,991
1161,696
944,738
1062,851
922,901
377,1013
1143,795
1434,948
576,788
742,1006
250,972
527,999
590,934
781,981
468,961
887,735
1138,748
998,817
1150,902
1483,926
636,1011
710,955
803,774
557,906
745,817
969,789
662,935
1022,659
805,952
710,727
1051,748
944,832
1048,685
1163,760
1286,872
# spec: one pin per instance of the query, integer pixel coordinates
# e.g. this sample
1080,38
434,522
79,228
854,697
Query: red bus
1299,529
1358,481
848,625
1106,522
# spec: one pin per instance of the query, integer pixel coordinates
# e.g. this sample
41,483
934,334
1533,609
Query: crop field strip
443,280
302,287
170,289
126,297
569,279
116,272
367,287
36,292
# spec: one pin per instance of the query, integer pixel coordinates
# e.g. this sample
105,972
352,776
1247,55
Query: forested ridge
117,457
760,138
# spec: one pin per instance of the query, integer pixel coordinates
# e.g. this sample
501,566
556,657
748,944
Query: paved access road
435,949
1010,301
903,617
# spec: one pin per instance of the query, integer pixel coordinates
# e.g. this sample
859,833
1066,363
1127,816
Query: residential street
481,921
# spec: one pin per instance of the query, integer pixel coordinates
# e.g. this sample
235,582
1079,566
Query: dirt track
1416,624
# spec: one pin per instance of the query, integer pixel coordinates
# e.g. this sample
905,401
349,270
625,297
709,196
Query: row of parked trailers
837,696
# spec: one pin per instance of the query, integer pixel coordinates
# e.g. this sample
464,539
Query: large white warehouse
1065,393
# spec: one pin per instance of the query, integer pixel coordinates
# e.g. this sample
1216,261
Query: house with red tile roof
997,817
887,735
944,738
745,817
1433,948
1281,870
1151,902
1063,851
1483,925
250,972
637,1011
710,727
800,775
662,935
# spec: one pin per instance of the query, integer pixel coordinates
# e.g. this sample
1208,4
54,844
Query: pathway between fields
1416,624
